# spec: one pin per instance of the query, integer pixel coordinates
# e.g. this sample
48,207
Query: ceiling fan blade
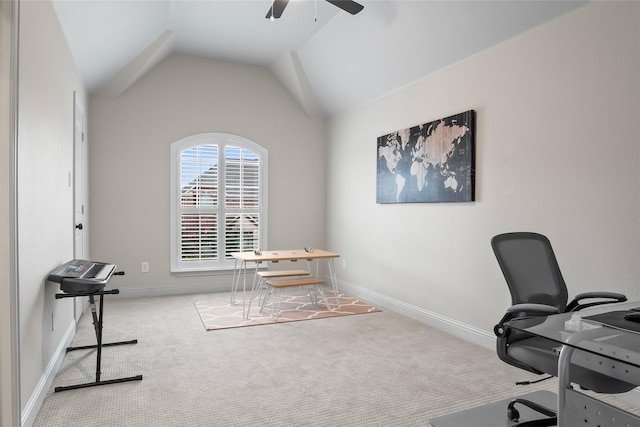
347,5
276,9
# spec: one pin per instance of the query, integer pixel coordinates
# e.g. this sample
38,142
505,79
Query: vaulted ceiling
329,60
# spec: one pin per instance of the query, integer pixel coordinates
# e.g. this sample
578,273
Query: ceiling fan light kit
277,7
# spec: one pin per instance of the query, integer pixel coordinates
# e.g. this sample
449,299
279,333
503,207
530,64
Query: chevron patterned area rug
219,313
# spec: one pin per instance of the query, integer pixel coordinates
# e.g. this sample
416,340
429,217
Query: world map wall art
432,162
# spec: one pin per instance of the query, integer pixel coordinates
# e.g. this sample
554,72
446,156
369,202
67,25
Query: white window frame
222,140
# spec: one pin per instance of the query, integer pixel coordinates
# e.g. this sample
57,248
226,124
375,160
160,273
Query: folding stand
97,324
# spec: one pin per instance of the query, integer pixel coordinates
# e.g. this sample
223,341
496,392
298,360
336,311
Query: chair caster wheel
513,414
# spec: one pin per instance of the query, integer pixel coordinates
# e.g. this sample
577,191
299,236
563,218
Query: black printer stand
97,324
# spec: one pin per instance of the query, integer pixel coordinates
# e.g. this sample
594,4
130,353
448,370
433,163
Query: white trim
221,140
31,409
462,330
166,290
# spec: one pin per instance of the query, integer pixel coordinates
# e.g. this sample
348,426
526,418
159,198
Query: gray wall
130,138
558,140
47,81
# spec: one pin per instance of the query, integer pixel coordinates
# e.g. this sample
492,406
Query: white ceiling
347,60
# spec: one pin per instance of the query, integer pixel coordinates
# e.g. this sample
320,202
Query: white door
81,303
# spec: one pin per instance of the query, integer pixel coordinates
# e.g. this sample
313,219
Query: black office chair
537,288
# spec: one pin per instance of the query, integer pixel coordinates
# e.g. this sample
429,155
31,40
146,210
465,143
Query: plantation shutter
242,200
198,201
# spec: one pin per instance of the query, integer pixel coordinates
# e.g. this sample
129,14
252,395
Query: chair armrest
534,309
523,310
610,297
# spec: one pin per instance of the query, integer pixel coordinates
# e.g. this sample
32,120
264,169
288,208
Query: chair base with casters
514,415
492,414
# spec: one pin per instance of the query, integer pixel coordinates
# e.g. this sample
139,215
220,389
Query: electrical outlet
53,321
144,266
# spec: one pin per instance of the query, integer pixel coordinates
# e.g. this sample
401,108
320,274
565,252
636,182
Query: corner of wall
31,408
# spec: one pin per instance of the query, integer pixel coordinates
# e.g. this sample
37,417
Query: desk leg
243,273
564,382
234,281
237,272
244,290
334,280
253,287
332,276
255,290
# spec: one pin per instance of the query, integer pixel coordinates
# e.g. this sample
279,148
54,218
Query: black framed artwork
431,162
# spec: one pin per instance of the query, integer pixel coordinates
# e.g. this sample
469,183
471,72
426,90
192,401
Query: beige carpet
377,370
219,313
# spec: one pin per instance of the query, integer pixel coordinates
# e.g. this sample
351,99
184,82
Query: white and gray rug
219,313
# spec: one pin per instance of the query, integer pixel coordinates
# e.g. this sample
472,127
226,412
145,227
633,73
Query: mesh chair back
530,268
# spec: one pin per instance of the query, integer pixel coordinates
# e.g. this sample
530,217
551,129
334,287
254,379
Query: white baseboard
159,291
31,409
466,332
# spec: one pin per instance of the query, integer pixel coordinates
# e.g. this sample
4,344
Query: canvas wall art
432,162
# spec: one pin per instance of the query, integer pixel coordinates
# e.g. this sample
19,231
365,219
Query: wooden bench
269,274
256,290
282,284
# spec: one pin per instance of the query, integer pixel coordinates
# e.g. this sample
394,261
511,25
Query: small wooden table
292,255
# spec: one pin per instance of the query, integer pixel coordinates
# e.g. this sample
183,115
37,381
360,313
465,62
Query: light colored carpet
382,369
219,313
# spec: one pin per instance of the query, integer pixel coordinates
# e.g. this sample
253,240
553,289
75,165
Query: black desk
610,350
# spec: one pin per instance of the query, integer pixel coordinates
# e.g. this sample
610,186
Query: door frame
10,406
79,223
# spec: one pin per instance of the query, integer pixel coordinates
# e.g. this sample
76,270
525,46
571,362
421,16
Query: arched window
218,200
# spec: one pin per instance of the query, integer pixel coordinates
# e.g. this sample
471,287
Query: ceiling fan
276,9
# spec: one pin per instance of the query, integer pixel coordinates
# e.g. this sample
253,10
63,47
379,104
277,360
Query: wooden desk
291,255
